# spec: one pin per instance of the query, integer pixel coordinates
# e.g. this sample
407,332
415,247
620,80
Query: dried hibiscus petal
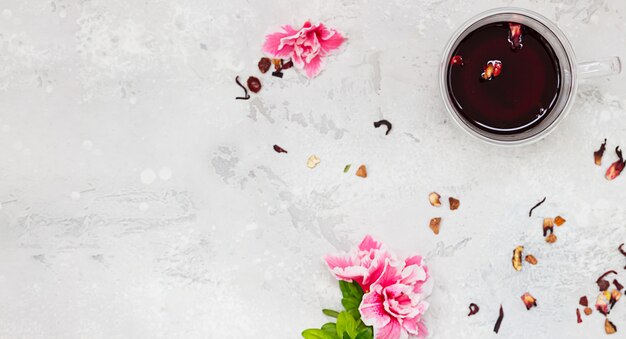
602,283
279,149
551,238
454,203
492,69
473,309
616,168
559,220
615,295
597,155
531,259
457,60
288,64
434,225
530,213
602,302
312,161
254,84
383,122
517,258
496,328
618,285
433,198
362,171
529,301
583,301
515,36
578,318
245,96
548,225
264,65
609,327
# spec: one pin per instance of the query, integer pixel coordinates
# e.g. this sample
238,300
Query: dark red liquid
521,96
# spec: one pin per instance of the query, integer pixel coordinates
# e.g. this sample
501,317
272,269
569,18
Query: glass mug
570,71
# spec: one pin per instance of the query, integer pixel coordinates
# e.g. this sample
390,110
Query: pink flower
395,303
364,265
306,46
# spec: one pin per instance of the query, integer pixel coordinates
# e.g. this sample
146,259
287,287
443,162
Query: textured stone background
140,200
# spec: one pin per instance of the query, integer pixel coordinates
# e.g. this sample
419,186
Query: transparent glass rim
570,92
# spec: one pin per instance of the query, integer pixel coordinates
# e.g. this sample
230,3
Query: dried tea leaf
609,327
616,168
362,171
312,161
551,238
583,301
454,203
588,310
473,309
597,155
434,199
254,84
496,328
530,213
279,149
578,318
264,65
517,258
559,220
548,225
529,301
347,168
531,259
434,225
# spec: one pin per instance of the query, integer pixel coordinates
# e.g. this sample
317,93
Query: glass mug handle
600,68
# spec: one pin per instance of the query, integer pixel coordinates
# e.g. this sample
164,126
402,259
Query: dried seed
279,149
618,285
515,36
454,203
433,198
264,65
254,84
530,213
473,309
548,225
517,258
529,301
551,238
559,220
245,96
578,318
347,168
361,171
434,225
616,168
531,259
609,327
588,310
383,122
583,301
496,328
597,155
312,161
457,60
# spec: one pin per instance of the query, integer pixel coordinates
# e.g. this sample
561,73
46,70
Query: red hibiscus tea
504,78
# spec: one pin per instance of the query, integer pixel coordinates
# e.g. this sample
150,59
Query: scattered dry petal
278,64
602,302
279,149
515,36
288,64
312,161
588,310
583,301
264,65
618,285
493,69
254,84
434,225
602,283
548,225
609,327
362,171
454,203
578,318
530,213
496,328
551,238
615,295
473,309
434,197
616,168
529,301
517,258
559,220
531,259
597,155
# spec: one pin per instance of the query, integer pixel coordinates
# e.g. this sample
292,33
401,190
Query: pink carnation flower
394,289
305,46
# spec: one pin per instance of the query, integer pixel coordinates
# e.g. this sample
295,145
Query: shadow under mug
569,69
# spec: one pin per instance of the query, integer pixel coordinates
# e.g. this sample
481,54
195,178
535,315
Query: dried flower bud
559,220
254,84
361,171
264,65
548,225
434,225
609,327
551,238
531,259
529,301
433,198
616,168
588,310
454,203
312,161
517,258
597,155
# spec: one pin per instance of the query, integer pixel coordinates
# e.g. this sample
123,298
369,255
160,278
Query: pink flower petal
389,276
314,67
331,41
369,243
372,311
392,330
344,268
274,47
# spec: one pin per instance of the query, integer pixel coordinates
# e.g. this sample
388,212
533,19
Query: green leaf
347,168
367,333
346,324
345,290
330,313
315,333
346,335
350,303
330,327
